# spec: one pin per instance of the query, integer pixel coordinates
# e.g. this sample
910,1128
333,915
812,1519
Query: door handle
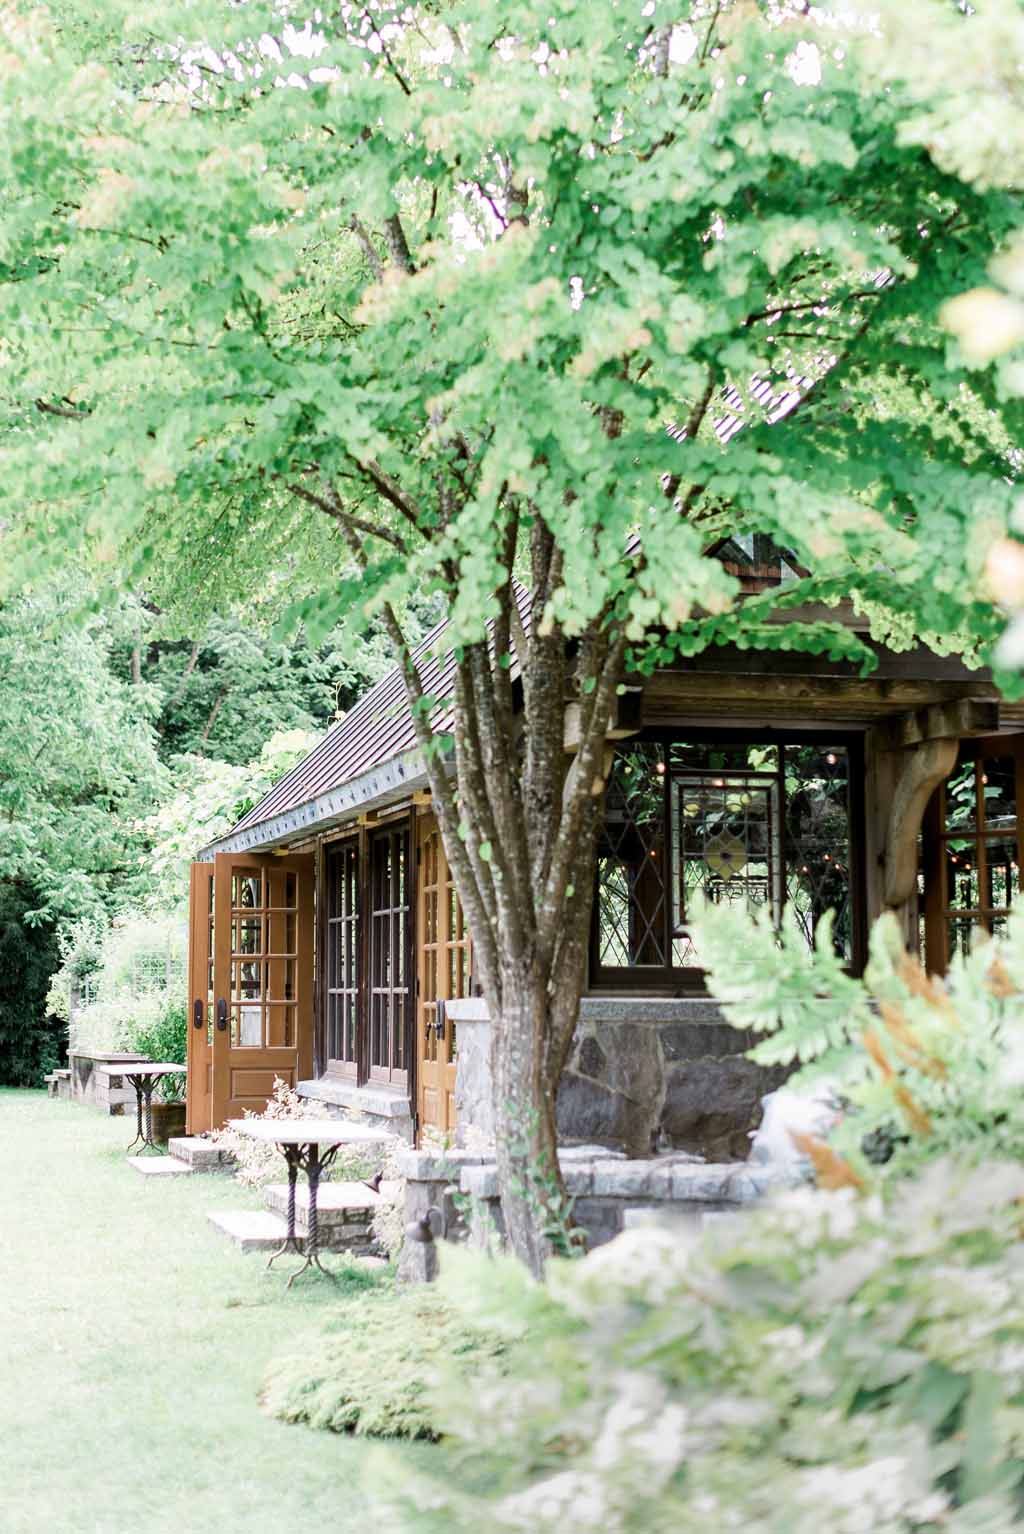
197,1014
439,1019
222,1014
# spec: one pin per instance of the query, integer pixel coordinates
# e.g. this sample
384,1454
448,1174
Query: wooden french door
970,848
444,963
388,990
200,1001
259,1011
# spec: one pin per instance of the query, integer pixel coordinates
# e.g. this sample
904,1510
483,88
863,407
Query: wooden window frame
348,849
387,919
362,1071
668,980
938,913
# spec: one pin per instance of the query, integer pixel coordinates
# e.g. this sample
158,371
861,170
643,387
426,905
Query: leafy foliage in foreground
373,1371
832,1362
924,1069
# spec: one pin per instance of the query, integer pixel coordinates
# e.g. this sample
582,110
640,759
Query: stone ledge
611,1009
437,1166
376,1100
658,1180
338,1203
650,1009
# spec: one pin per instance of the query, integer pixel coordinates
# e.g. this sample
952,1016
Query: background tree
223,695
444,300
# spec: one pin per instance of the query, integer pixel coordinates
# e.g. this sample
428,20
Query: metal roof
376,731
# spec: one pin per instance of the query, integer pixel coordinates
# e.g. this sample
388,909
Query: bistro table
309,1145
144,1075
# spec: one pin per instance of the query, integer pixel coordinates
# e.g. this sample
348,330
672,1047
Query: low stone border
609,1190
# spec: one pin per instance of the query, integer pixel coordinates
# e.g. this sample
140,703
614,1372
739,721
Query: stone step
201,1155
160,1166
252,1230
340,1205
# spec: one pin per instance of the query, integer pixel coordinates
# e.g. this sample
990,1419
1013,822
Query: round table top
149,1068
308,1131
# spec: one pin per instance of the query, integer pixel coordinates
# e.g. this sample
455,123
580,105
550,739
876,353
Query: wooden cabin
325,931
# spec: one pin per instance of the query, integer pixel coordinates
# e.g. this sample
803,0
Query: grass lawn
133,1340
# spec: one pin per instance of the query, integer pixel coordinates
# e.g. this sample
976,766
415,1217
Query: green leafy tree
31,1041
409,301
208,798
225,694
77,758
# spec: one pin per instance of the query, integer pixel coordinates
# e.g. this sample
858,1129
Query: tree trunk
533,1027
526,1139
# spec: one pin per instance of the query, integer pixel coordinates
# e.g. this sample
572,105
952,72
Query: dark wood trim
664,980
859,854
411,964
390,1075
362,989
320,960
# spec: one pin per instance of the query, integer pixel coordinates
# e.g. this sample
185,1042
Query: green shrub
115,1024
31,1042
850,1361
165,1037
375,1371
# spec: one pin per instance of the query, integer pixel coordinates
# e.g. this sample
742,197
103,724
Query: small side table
310,1146
144,1076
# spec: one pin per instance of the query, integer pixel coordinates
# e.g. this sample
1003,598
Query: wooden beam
669,696
926,766
961,718
625,719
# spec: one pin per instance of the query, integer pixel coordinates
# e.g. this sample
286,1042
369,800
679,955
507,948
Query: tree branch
334,508
374,262
398,245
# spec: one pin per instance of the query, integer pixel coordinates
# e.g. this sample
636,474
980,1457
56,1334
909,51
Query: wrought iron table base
144,1098
314,1162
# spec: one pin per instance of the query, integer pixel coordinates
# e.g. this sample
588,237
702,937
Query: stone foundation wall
458,1192
645,1074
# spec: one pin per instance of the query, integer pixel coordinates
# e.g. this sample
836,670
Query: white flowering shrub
834,1362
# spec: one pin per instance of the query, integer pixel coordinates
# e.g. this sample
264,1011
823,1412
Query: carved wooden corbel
927,766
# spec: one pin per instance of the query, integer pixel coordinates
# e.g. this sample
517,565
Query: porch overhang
374,790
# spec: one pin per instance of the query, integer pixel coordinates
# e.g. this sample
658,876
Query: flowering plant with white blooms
838,1361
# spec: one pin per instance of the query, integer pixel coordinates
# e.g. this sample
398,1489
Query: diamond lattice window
763,825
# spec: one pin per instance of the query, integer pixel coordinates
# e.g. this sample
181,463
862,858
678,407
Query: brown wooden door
200,999
443,974
262,979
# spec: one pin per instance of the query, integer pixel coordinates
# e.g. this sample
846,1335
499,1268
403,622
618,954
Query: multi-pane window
759,824
389,992
341,940
264,958
971,865
366,934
